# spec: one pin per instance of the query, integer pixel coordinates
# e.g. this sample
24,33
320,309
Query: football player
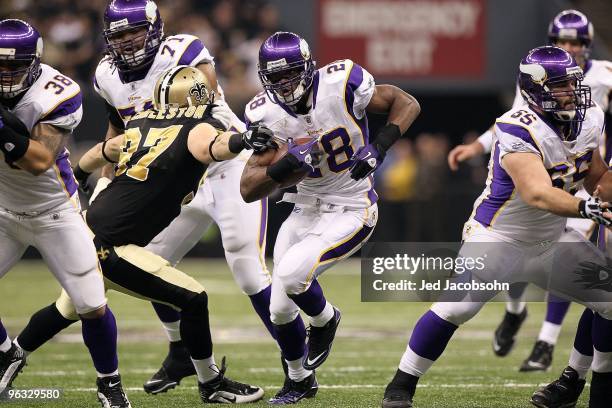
160,159
335,208
572,31
39,205
543,152
137,53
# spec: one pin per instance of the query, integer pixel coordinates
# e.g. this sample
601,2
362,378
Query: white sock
206,368
549,332
116,372
6,345
515,306
414,364
325,316
296,371
602,361
16,343
173,330
580,362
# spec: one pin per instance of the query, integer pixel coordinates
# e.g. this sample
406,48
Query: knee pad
196,305
456,313
234,238
250,274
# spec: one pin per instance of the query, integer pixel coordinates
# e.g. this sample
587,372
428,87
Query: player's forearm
255,184
553,200
605,186
404,110
108,169
37,159
93,159
227,146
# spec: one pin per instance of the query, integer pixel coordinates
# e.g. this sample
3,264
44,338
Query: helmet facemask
19,72
132,53
289,83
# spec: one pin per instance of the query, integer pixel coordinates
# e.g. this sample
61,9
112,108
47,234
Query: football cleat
561,393
11,363
225,391
110,393
176,366
320,340
540,358
504,337
294,391
397,397
601,390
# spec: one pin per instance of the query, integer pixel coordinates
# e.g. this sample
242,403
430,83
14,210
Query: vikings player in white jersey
572,31
543,153
138,53
335,207
39,205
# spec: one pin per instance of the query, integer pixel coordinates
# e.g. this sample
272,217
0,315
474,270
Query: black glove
82,176
258,138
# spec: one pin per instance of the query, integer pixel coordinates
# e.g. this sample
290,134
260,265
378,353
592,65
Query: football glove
258,138
594,210
365,161
299,157
81,176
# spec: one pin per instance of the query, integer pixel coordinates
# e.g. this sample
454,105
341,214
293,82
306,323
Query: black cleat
540,358
503,341
110,393
397,397
294,391
176,366
561,393
225,391
11,363
320,340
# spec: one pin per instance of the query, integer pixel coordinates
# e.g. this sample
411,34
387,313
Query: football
271,157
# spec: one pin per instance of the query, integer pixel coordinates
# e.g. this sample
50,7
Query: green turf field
370,342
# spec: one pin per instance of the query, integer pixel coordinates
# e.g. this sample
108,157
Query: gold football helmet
182,86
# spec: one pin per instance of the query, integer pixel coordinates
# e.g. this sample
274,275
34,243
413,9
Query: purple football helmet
123,16
546,69
21,47
286,68
572,25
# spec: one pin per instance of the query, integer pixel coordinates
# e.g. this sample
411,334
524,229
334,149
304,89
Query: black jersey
155,176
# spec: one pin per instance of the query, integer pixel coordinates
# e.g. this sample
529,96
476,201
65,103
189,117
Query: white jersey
129,98
499,207
54,99
340,93
598,76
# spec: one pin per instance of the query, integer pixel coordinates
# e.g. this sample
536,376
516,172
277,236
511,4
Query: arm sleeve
360,87
486,140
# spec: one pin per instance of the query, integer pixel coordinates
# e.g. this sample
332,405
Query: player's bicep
527,173
199,140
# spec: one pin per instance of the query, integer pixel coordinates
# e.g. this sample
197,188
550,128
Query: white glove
223,113
594,210
102,183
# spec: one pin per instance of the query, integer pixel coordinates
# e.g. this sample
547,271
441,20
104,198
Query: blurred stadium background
458,57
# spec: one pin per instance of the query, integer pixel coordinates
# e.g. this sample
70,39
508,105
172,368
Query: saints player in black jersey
160,161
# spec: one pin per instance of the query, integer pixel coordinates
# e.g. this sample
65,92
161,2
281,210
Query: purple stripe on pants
431,335
263,224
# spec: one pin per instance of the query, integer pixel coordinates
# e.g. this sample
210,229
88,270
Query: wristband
387,136
13,145
282,169
235,144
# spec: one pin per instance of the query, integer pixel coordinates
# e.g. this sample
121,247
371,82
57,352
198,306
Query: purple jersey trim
315,89
191,52
501,190
66,107
65,172
587,66
353,82
372,195
344,248
518,131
